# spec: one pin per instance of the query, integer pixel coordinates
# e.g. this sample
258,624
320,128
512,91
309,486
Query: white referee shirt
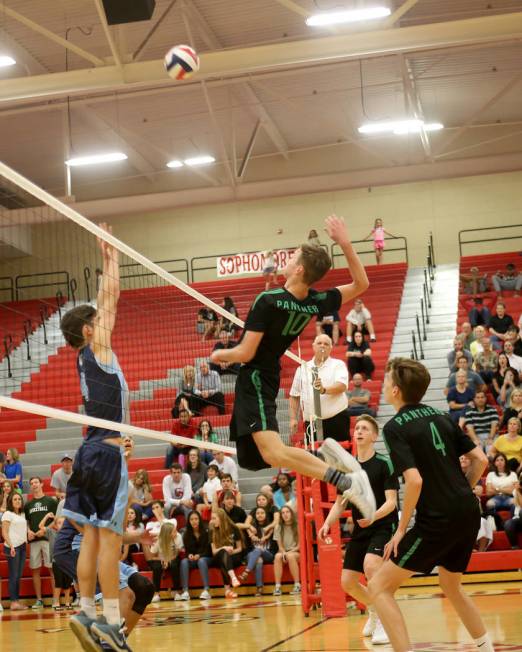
330,372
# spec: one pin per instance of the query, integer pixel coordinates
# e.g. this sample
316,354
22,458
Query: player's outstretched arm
479,461
333,515
336,229
243,352
107,300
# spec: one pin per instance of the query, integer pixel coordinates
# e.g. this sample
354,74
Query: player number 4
437,439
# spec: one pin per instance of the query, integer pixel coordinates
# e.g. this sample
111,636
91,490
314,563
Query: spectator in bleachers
474,381
234,511
499,377
13,468
510,445
207,324
485,533
227,549
508,280
206,433
262,500
177,492
225,342
39,553
328,325
186,397
457,351
515,361
228,486
513,336
197,555
498,325
2,464
467,334
500,484
285,493
196,469
476,346
513,406
142,493
359,320
184,427
460,397
166,556
480,314
359,398
486,363
208,388
226,324
474,282
313,238
209,489
270,268
61,477
286,536
359,357
481,421
226,465
262,551
513,526
14,534
134,525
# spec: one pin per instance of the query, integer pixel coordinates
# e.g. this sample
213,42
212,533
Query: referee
332,383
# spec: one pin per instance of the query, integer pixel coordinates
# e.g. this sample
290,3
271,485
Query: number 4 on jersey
437,439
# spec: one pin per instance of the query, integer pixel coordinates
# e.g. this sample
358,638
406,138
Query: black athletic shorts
61,579
254,411
420,551
358,548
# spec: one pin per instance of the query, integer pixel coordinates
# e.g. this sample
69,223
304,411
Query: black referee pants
336,427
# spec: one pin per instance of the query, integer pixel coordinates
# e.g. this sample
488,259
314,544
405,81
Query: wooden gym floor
277,625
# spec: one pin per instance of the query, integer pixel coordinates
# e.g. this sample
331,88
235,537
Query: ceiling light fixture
399,127
95,159
348,16
6,60
175,164
200,160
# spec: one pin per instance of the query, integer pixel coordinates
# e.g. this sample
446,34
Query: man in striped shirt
481,421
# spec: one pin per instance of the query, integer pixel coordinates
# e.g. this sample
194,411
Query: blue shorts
97,491
67,563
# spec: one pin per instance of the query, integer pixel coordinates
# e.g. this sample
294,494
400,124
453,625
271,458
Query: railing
7,285
28,329
86,279
463,242
59,303
73,286
431,254
44,314
8,348
334,247
62,280
420,334
182,267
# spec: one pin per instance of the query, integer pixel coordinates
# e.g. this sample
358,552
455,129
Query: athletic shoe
230,595
380,637
38,605
205,595
277,591
156,598
338,457
111,634
371,623
361,495
259,591
185,595
296,590
80,624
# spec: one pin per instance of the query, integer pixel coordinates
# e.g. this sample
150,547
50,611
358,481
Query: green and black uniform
372,539
281,318
448,514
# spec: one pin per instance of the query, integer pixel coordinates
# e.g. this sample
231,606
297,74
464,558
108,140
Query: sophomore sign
250,263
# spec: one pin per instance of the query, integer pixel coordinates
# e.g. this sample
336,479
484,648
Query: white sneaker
369,627
361,495
176,596
185,596
380,637
156,598
296,590
205,595
339,458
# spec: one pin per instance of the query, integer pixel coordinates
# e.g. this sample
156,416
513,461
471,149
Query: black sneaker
113,635
80,624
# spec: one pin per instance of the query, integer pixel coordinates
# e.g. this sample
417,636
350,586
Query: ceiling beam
106,30
293,6
12,47
398,13
413,103
35,27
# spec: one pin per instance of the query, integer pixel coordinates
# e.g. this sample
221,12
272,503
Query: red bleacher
15,314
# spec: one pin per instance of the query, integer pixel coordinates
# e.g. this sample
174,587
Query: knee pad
143,589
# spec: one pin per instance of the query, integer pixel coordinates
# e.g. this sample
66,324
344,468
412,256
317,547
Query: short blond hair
370,420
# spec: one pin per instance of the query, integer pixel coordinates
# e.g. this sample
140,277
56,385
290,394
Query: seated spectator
499,377
177,492
460,397
513,526
196,470
513,336
60,477
226,465
262,500
208,388
166,555
134,524
228,486
13,468
509,280
262,551
359,398
197,555
474,381
359,356
186,397
485,533
209,489
466,332
476,346
286,536
226,324
457,351
486,363
207,323
500,484
328,325
359,320
498,325
513,406
284,494
510,445
515,361
206,433
480,314
142,493
183,427
225,342
474,282
234,512
481,421
227,549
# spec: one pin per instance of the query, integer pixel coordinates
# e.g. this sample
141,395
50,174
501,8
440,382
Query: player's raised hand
336,228
108,251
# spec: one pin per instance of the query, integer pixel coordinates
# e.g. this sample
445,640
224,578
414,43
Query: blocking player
96,496
276,318
364,553
425,447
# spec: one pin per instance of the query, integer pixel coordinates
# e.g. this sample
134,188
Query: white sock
111,611
88,607
484,643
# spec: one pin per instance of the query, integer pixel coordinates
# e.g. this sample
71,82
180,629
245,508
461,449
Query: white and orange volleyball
181,62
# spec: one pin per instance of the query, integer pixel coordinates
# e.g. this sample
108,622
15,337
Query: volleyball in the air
181,62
